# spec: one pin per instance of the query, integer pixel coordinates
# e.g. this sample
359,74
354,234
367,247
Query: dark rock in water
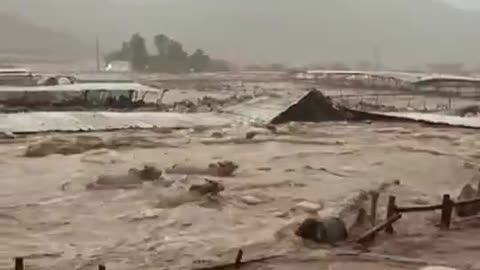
209,187
328,230
250,135
148,173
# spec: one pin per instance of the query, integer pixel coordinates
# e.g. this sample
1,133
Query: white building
118,66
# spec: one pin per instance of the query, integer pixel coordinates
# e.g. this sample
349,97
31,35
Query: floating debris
209,187
219,169
329,230
133,179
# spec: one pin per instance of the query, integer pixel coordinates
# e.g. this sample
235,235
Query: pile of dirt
313,107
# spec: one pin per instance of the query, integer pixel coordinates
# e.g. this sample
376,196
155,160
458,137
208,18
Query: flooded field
190,198
49,217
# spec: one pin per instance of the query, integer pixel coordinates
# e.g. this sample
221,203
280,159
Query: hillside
403,32
22,38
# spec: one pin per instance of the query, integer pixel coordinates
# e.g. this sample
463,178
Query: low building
118,66
16,77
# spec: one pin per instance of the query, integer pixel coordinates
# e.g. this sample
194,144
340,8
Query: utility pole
97,51
377,55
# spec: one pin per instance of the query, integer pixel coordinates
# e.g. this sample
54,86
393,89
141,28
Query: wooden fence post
373,207
370,234
391,209
19,263
238,260
447,209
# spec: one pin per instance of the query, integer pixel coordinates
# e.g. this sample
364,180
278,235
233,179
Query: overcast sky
468,4
405,32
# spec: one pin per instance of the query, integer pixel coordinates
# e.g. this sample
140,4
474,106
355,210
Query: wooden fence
395,212
19,263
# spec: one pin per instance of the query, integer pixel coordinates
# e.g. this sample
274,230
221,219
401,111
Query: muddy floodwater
50,218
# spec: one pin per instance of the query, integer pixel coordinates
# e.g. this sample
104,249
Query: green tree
171,57
176,52
199,61
138,53
162,43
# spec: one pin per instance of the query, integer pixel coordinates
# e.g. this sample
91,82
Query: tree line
170,57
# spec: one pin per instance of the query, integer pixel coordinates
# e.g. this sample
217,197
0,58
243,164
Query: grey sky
467,4
406,32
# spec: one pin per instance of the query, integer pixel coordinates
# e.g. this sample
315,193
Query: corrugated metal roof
263,109
266,109
405,76
103,77
447,79
80,87
98,121
13,70
455,121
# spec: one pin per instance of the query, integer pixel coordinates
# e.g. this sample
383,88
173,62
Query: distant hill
398,33
19,37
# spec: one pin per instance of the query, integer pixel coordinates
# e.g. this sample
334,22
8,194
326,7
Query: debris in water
7,135
217,134
361,224
219,169
329,230
209,187
308,207
148,173
133,179
79,144
437,268
222,168
251,200
250,135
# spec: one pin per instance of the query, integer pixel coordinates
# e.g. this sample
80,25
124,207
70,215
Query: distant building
118,66
16,76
